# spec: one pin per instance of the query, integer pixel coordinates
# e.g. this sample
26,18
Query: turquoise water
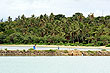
55,64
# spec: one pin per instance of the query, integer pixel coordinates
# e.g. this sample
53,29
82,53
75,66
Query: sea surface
55,64
48,48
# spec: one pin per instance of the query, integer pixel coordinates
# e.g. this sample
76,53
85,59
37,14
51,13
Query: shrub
41,42
81,44
90,44
48,43
84,43
5,49
75,49
103,50
72,44
17,50
89,51
39,50
24,50
65,51
31,49
61,43
108,45
51,50
77,43
99,43
67,44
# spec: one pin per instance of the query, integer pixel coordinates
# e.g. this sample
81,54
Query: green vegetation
103,50
24,50
31,49
51,50
90,51
5,49
75,49
65,51
108,45
57,30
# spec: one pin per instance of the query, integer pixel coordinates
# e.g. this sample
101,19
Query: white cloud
68,7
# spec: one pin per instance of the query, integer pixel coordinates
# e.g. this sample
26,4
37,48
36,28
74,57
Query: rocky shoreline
52,53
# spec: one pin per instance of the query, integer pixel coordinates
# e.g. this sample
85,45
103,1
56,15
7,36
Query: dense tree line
56,29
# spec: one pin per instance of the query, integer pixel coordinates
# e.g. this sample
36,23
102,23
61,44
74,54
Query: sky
15,8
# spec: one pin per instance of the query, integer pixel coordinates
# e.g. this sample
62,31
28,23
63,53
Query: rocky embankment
53,53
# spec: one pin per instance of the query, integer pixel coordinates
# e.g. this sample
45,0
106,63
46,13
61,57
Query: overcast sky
14,8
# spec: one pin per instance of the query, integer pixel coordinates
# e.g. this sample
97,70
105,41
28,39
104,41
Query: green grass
51,50
103,50
31,49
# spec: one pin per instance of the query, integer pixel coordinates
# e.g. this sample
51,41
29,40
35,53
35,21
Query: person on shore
82,54
34,47
72,53
58,48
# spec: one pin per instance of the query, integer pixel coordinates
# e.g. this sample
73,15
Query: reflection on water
55,64
47,48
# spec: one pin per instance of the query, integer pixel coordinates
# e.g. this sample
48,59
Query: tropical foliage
56,29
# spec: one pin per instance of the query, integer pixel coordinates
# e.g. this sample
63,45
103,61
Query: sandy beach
96,47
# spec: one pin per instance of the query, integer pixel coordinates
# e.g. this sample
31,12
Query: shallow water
48,48
55,64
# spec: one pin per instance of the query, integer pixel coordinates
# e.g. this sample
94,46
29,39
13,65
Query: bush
103,50
84,43
77,43
51,50
90,44
24,50
17,50
108,45
5,49
81,44
99,43
65,51
41,42
72,44
89,51
67,44
61,43
31,49
75,49
48,43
